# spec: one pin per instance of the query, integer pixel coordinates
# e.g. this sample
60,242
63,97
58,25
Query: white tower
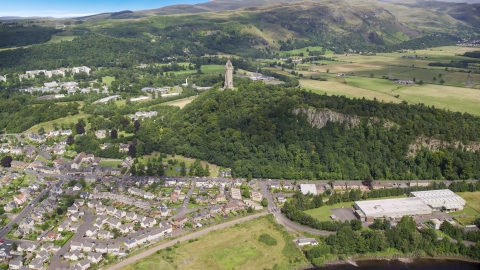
228,75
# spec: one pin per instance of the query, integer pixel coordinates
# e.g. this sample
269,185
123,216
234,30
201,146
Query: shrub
267,240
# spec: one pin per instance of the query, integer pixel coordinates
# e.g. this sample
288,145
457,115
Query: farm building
443,199
392,208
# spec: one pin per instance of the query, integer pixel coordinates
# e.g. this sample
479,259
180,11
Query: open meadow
180,102
472,209
236,247
48,126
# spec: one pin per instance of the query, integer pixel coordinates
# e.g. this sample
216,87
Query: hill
271,132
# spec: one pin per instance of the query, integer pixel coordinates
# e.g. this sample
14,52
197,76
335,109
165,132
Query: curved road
182,239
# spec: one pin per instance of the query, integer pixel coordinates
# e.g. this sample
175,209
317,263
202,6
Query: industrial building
439,200
391,208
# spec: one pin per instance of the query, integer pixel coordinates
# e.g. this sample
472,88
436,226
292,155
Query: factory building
391,208
440,200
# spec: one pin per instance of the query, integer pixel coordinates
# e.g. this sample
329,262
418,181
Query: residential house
101,248
83,265
216,209
52,236
20,199
288,186
180,221
104,235
91,231
357,185
101,134
16,263
141,239
36,263
219,198
274,185
148,222
76,246
28,247
256,196
74,255
131,216
47,246
10,206
197,217
130,243
88,246
339,185
95,257
114,248
235,193
123,147
26,224
306,241
232,206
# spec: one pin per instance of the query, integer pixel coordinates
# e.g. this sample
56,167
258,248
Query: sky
75,8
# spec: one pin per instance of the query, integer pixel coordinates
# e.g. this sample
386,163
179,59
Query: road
281,219
182,210
29,207
183,239
78,237
40,152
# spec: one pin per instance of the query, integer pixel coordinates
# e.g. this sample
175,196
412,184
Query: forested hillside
256,132
14,36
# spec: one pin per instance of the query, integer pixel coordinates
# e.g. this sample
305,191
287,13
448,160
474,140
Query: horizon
65,9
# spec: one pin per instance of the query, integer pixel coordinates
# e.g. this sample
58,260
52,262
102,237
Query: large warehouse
392,208
443,199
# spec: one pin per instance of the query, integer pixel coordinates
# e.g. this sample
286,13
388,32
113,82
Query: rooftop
389,206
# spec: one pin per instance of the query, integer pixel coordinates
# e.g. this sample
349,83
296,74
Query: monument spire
228,75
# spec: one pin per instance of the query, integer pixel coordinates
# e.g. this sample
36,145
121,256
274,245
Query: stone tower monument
228,75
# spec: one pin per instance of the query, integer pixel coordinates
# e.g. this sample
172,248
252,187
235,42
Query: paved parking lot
344,214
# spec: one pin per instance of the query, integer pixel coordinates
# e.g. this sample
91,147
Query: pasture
236,247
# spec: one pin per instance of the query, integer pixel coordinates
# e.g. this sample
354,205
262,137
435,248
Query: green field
235,247
111,163
180,102
108,80
472,209
57,39
48,126
304,51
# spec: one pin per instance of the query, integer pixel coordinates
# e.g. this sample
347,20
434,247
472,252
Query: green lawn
304,51
471,210
111,163
48,126
235,247
172,169
57,39
108,80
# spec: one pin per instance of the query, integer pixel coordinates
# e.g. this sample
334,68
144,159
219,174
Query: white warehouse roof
308,188
393,207
439,198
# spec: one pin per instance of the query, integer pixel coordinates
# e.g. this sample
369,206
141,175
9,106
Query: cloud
45,13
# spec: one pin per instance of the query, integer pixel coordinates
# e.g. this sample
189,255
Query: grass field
304,51
235,247
471,210
111,163
57,39
180,102
48,126
108,80
337,88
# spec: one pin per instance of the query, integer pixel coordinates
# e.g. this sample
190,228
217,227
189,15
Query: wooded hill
257,132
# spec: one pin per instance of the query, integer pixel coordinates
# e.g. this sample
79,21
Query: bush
267,240
318,261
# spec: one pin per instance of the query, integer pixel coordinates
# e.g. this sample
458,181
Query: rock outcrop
319,118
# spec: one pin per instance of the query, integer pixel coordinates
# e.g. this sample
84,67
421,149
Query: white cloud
45,13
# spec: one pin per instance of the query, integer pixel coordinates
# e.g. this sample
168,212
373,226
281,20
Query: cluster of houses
41,255
49,73
404,82
124,199
139,115
207,213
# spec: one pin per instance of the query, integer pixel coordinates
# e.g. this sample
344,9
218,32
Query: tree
41,130
70,140
441,81
113,134
264,202
15,226
79,128
183,171
7,161
132,151
207,170
136,125
125,122
14,246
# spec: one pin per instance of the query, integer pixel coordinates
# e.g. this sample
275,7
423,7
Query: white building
392,208
308,188
443,199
